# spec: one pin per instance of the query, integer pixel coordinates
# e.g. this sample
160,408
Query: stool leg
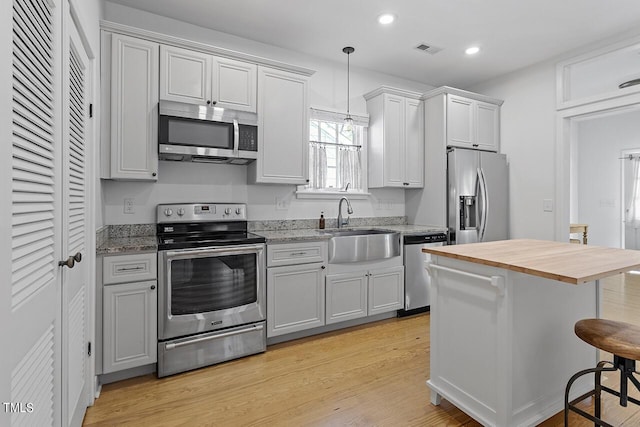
598,391
570,406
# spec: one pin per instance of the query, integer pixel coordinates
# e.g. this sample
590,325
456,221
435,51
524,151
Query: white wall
528,139
600,144
182,182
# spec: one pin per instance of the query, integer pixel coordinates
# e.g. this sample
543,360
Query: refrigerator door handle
482,184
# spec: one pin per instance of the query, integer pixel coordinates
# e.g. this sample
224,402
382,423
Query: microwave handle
236,137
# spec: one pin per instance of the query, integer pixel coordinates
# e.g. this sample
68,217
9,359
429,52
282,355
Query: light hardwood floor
371,375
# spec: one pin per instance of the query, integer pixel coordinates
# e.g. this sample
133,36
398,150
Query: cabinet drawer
296,253
128,268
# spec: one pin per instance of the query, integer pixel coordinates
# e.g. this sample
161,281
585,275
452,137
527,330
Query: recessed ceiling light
386,18
472,50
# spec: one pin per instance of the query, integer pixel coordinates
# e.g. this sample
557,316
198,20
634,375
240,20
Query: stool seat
619,338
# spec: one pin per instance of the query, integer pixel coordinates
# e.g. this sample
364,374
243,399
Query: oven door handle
171,346
217,250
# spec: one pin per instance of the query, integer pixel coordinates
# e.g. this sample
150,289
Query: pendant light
348,50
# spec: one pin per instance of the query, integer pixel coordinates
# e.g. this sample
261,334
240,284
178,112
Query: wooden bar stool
623,341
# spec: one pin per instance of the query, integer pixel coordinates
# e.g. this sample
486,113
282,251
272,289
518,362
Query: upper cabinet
472,124
130,106
283,128
457,118
137,73
396,138
203,79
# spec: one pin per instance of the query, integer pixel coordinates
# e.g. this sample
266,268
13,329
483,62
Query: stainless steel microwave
206,134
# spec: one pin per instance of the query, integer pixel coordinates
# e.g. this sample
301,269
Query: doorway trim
566,138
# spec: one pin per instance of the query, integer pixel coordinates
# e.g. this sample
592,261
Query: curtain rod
629,157
336,144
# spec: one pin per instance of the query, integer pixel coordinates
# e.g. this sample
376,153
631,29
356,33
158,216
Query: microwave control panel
248,138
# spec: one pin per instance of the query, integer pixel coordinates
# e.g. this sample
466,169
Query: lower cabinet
364,293
295,298
346,296
129,325
304,291
295,286
386,290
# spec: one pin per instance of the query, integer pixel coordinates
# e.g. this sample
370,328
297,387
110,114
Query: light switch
547,205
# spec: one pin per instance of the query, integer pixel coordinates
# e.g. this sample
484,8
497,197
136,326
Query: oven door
211,288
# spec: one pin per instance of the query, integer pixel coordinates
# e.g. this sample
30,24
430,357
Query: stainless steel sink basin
347,246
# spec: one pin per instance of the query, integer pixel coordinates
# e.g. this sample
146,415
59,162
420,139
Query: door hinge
89,349
90,110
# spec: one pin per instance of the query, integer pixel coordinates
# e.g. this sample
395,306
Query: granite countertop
408,230
566,262
291,236
119,245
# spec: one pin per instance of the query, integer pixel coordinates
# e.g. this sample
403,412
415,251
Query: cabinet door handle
130,268
298,253
323,267
152,287
154,174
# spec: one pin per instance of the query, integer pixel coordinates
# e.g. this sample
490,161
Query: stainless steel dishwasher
416,279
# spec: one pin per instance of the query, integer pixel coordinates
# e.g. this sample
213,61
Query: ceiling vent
428,48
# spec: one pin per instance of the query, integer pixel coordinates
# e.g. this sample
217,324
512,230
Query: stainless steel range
211,300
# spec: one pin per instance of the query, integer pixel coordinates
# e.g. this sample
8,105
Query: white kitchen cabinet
295,287
130,102
363,293
386,290
129,325
295,298
283,128
346,296
472,124
396,138
200,78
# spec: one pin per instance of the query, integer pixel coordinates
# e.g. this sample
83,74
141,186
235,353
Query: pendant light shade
348,50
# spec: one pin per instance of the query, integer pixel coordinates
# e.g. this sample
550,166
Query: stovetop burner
184,226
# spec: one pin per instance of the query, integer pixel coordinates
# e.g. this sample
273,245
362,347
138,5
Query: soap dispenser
321,221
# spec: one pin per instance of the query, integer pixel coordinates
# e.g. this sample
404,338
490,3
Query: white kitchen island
502,319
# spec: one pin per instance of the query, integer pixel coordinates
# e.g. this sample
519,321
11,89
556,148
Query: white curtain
318,162
633,210
350,169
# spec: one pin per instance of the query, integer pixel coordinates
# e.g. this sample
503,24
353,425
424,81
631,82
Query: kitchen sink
354,232
346,246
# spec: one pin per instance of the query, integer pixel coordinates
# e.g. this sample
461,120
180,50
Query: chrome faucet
342,222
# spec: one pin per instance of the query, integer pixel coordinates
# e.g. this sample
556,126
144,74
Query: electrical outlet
547,205
282,204
128,206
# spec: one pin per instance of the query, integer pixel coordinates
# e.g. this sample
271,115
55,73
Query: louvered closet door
32,343
75,295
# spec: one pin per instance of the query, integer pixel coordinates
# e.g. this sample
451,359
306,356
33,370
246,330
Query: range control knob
238,211
181,211
168,212
227,211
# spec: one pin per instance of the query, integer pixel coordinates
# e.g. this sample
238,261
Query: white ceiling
512,33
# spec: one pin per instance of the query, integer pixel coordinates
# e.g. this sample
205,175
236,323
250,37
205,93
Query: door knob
71,261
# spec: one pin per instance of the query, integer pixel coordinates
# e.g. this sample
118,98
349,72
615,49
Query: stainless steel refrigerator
477,186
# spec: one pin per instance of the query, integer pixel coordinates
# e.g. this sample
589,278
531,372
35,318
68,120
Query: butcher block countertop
566,262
